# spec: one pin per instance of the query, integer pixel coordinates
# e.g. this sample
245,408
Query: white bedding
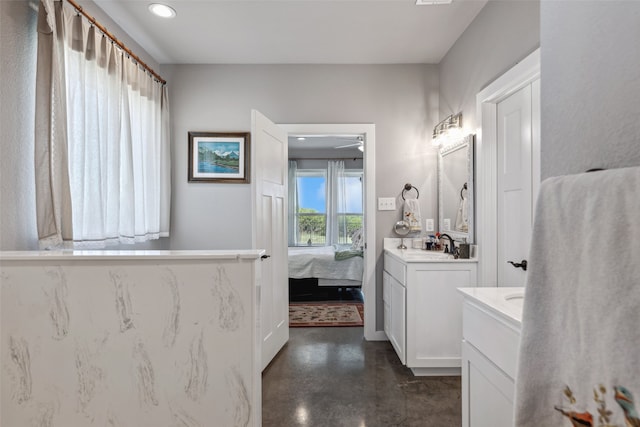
319,262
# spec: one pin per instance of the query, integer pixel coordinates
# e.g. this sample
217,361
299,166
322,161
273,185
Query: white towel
411,214
580,346
462,217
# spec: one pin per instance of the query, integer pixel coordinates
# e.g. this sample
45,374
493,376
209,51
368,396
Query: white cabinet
394,313
422,310
492,391
491,332
434,323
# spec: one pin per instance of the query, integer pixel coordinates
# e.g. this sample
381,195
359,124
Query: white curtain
293,202
102,138
336,201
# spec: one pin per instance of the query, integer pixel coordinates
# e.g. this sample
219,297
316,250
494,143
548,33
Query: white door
270,233
516,167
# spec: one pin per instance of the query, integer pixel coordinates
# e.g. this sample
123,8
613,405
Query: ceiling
325,146
295,31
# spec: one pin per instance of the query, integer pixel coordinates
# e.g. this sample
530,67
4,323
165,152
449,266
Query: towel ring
464,187
409,187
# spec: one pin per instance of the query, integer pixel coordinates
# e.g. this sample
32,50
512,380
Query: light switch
386,204
446,226
428,226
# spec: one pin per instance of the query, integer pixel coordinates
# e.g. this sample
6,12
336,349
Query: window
102,146
311,213
352,215
316,207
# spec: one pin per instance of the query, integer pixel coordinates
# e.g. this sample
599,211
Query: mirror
401,228
455,189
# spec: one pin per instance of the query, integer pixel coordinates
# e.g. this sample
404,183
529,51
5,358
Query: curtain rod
113,38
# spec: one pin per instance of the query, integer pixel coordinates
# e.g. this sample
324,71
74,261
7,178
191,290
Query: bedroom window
327,207
352,206
311,213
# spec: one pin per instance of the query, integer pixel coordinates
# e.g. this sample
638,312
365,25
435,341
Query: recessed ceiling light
302,138
162,10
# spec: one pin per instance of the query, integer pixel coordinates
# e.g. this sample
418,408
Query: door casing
522,74
369,280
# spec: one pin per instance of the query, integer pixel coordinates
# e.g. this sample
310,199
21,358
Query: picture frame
222,157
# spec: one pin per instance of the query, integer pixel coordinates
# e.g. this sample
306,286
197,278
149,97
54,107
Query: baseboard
375,335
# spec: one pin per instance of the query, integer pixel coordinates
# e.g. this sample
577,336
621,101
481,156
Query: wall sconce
450,129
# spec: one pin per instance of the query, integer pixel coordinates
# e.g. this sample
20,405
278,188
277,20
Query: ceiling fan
359,143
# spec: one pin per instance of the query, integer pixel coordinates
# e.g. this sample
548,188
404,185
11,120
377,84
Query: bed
319,262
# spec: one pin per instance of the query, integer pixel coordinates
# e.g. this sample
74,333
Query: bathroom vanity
492,320
422,307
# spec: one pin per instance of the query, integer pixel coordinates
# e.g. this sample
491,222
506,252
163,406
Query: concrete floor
333,377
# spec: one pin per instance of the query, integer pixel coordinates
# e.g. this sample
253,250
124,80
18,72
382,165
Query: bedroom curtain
293,203
336,201
102,138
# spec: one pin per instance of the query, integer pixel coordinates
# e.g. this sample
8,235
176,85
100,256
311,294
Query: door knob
265,256
522,264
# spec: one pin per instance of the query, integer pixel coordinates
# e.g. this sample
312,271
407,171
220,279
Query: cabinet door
386,300
487,392
398,320
434,313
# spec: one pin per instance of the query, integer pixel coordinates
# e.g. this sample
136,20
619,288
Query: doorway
325,224
367,132
491,180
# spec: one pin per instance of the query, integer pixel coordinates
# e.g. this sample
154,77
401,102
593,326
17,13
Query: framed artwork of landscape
219,157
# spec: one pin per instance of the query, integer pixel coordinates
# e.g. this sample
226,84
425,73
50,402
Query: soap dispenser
429,242
464,249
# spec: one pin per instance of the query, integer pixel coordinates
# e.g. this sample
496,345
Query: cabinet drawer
493,337
395,268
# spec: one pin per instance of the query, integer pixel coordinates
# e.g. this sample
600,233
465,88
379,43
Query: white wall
590,85
400,99
503,33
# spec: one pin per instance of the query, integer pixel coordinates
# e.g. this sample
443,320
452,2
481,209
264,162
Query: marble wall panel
128,343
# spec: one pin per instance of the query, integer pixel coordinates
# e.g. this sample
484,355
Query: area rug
325,314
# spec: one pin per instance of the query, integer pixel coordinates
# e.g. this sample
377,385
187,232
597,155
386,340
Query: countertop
72,255
498,300
419,255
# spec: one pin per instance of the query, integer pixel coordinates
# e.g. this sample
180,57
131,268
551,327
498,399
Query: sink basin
424,255
515,298
506,301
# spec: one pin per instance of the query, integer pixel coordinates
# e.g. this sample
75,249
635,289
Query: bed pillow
357,240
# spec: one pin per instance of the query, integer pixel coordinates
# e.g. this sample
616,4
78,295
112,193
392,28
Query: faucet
452,244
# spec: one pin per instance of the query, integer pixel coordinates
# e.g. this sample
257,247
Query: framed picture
219,157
